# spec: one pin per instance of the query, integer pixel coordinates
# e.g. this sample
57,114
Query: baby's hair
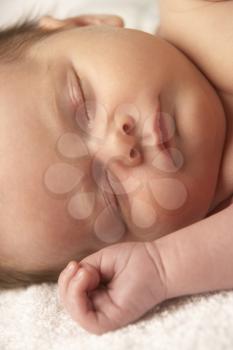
14,44
12,278
16,40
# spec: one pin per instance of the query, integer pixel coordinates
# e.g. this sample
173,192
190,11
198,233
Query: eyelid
75,90
80,87
78,99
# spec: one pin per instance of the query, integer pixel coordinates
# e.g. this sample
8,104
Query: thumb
90,305
88,276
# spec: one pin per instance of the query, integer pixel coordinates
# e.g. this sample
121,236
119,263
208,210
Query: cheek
158,209
143,213
154,196
169,193
108,228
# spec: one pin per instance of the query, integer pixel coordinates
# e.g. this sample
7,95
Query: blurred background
139,14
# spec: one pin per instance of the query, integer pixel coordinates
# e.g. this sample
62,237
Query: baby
116,135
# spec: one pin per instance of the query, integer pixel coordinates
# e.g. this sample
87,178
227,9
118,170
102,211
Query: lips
161,132
158,130
109,194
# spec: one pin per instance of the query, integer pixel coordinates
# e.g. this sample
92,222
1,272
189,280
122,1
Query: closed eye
78,101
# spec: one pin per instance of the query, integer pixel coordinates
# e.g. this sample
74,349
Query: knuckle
61,278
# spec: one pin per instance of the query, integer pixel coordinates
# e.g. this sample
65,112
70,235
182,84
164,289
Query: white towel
32,319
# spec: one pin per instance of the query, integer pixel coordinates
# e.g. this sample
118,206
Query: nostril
127,125
126,128
133,153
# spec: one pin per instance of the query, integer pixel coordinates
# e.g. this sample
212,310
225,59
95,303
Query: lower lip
116,184
111,194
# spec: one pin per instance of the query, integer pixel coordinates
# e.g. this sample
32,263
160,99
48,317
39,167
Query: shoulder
203,30
167,6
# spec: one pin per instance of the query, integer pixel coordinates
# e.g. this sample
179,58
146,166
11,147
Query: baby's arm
138,276
199,258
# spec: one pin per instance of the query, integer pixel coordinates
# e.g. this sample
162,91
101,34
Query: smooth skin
194,259
128,76
104,293
138,276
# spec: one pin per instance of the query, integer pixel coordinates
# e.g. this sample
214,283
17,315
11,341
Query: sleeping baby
120,142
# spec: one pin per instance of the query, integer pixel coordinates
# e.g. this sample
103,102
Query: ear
51,23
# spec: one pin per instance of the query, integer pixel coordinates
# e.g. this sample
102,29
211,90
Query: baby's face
107,135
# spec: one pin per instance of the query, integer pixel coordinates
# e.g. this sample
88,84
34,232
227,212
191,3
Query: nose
126,125
122,141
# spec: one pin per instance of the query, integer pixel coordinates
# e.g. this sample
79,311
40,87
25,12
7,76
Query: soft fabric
32,319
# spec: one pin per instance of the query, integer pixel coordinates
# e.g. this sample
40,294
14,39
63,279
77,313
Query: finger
104,262
85,280
64,279
108,312
92,308
78,303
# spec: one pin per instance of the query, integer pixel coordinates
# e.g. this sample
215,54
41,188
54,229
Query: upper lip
158,129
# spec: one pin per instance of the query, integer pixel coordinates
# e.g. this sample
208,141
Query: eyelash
83,97
78,97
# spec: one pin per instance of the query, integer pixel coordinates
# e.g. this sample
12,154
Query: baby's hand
113,287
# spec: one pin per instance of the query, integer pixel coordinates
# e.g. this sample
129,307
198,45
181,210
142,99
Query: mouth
161,132
121,196
117,190
159,128
109,194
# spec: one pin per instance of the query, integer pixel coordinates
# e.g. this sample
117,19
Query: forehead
103,43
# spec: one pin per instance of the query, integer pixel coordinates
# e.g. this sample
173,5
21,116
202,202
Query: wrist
167,261
159,268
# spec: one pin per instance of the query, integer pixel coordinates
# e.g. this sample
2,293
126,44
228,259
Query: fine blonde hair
14,44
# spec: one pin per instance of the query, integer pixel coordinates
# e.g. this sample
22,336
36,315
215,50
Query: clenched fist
114,286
